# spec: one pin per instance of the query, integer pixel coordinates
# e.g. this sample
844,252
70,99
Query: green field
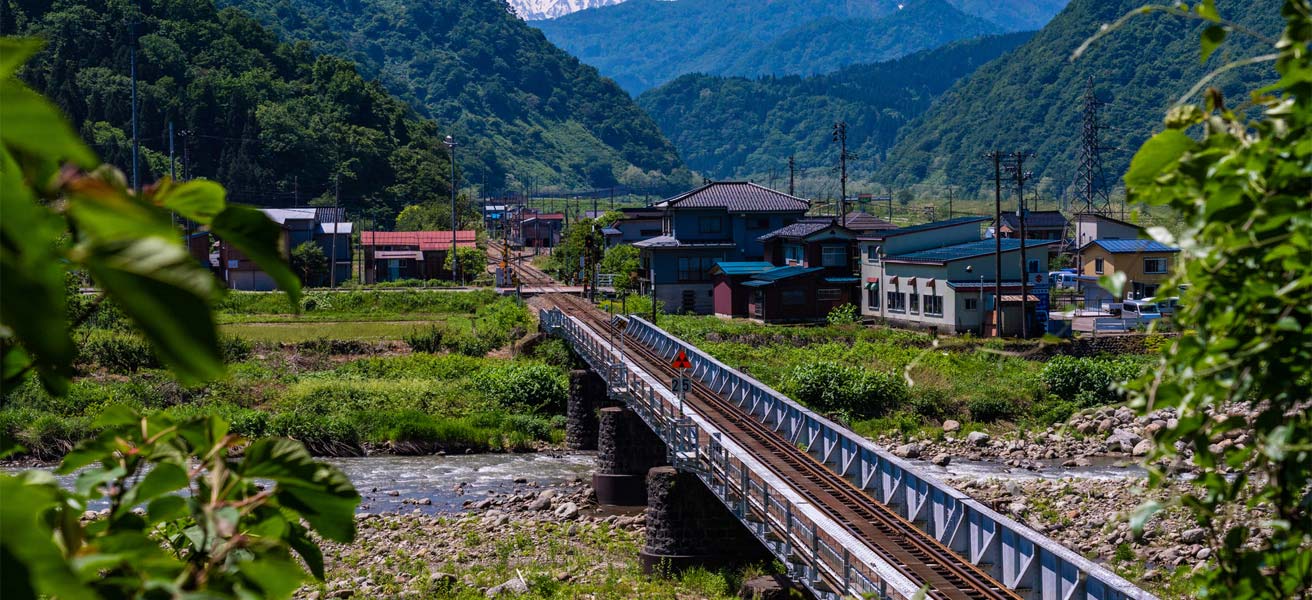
293,330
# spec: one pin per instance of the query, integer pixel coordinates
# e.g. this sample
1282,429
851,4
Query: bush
1089,381
118,352
933,404
846,314
521,387
333,346
857,393
234,349
426,340
441,367
314,430
555,352
990,409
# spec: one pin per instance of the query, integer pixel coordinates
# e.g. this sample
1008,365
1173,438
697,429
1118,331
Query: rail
1020,558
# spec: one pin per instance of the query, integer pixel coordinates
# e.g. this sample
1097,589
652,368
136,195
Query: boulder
543,501
513,587
1192,536
942,459
568,510
950,426
769,587
1143,448
977,438
908,450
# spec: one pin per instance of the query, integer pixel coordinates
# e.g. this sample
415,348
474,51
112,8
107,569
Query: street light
455,258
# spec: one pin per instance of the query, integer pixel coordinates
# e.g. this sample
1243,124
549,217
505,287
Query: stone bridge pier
687,526
587,395
626,450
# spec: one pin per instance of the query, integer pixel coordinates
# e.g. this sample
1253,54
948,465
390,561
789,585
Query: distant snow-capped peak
536,10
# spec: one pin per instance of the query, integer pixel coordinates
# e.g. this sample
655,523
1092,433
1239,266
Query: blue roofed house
719,221
807,272
942,276
1147,264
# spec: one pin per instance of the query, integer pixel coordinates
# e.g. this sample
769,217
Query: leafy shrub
521,387
314,430
442,367
555,352
472,344
118,352
426,340
1089,381
858,393
990,409
333,346
846,314
933,404
234,349
46,436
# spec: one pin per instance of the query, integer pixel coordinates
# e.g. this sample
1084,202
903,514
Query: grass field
293,330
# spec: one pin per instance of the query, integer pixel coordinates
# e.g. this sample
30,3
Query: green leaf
1143,513
275,577
321,493
14,52
31,565
117,415
1113,283
33,125
1212,38
166,508
259,238
1207,10
166,294
162,479
309,551
198,200
1158,153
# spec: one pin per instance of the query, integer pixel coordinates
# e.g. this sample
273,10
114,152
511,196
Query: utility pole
949,202
996,157
1021,175
792,175
337,199
455,258
840,137
172,162
132,61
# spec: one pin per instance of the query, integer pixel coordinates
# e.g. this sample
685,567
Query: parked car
1064,279
1166,306
1140,312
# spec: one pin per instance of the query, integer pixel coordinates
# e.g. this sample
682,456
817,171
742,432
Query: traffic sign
680,385
681,361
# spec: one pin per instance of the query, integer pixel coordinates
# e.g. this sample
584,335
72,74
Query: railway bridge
845,517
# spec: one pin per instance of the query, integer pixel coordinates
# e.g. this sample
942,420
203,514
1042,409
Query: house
1039,225
942,276
325,227
807,272
539,230
396,255
719,221
495,216
863,223
1146,264
639,224
1093,226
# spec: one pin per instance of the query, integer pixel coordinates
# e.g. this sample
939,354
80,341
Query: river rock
543,501
439,578
950,426
907,451
1143,447
768,587
942,459
978,438
1192,536
567,511
513,587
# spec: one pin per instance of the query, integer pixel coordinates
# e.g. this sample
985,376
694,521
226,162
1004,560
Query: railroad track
919,557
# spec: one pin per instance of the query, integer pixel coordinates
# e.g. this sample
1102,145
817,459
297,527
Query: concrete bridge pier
687,526
587,395
626,450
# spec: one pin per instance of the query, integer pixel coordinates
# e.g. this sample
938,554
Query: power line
1090,180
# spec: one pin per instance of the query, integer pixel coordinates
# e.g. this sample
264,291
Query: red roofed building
394,255
539,230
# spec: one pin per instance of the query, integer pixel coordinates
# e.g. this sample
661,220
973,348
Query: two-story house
943,276
719,221
1146,265
1039,225
397,255
807,272
325,227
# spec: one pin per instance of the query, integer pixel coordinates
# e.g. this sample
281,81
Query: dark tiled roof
1132,246
928,226
1035,218
738,196
797,230
967,250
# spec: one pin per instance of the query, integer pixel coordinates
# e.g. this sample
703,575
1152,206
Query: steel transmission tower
1091,181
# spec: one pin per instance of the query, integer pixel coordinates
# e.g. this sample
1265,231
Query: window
1032,266
695,268
710,224
915,303
897,302
833,256
793,254
1154,266
649,232
971,304
794,297
872,253
828,294
1097,266
934,305
759,223
872,299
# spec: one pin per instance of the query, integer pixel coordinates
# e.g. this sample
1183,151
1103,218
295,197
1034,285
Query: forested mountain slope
1031,98
739,127
643,43
269,120
521,108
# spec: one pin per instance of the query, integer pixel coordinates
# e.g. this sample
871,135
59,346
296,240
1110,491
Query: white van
1140,312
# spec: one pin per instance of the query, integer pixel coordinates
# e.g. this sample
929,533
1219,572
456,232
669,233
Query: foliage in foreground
183,516
1243,192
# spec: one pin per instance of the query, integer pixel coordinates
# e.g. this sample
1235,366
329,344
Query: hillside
831,43
269,120
1013,16
1030,99
522,109
532,10
643,43
738,127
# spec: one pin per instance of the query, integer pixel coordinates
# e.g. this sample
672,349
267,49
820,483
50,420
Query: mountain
523,110
832,43
535,10
1028,15
1031,98
643,43
269,120
734,127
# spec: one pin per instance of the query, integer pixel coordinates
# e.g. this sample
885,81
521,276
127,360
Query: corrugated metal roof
1035,218
859,221
756,283
780,273
842,279
1132,246
928,226
330,228
967,250
424,240
737,196
742,268
611,231
666,241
